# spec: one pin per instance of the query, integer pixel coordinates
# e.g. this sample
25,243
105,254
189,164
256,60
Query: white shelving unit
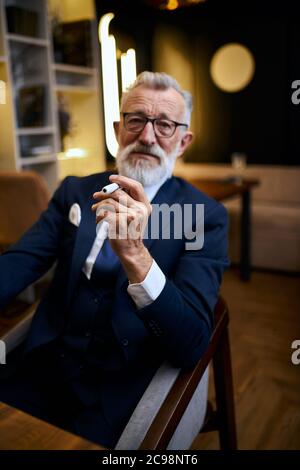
35,130
77,91
40,93
28,40
74,69
28,120
39,159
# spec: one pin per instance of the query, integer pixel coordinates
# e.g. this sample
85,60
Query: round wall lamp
232,67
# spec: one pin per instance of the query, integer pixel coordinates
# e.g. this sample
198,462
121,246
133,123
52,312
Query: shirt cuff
145,292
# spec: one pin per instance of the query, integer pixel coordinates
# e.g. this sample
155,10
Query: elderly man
120,302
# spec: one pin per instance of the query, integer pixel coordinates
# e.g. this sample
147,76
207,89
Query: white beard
142,170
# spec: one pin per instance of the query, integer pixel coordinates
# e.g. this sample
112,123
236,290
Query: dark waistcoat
88,350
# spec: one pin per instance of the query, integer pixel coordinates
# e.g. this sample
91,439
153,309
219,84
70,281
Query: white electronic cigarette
110,188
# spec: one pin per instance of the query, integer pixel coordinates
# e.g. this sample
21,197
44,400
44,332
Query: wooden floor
265,319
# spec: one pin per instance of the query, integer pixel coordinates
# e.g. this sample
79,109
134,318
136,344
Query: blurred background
63,66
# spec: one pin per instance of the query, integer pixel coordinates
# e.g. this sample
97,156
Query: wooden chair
23,196
181,393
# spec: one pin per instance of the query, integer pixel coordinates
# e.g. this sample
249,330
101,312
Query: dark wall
261,119
252,120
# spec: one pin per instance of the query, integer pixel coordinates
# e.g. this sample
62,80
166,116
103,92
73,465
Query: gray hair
161,81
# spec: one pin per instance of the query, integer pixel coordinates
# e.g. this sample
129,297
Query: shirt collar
153,188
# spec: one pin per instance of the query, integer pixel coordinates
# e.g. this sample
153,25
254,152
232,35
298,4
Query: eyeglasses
162,127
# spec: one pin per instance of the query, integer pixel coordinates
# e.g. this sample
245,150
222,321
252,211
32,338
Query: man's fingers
111,204
130,213
118,195
134,188
122,202
117,224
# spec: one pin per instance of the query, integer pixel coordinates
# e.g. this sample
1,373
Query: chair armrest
169,415
146,409
17,333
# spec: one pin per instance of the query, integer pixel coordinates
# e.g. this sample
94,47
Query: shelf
42,84
75,89
73,69
38,159
28,40
35,130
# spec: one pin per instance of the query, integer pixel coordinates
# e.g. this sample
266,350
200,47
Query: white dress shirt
142,293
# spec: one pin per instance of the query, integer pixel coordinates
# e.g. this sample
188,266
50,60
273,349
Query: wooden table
225,189
20,431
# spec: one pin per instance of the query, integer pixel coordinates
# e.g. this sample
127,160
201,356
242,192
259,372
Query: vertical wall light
2,92
110,82
128,68
110,78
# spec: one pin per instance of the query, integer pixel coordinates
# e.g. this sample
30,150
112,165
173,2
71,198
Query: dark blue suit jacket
177,324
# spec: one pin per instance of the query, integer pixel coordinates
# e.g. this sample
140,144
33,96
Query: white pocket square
75,214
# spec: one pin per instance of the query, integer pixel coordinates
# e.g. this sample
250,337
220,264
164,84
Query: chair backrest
23,196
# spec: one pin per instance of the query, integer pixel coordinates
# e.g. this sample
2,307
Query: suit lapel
85,237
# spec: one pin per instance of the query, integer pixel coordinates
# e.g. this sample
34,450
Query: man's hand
126,210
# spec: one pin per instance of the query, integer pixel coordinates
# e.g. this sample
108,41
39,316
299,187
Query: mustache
155,150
